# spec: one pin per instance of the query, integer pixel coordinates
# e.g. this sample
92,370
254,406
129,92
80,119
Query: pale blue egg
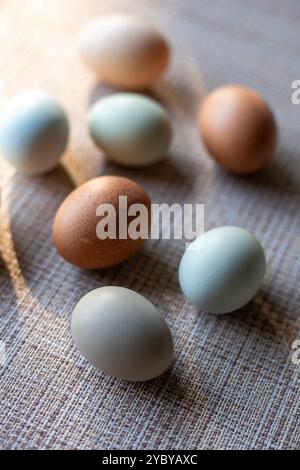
33,132
131,129
222,270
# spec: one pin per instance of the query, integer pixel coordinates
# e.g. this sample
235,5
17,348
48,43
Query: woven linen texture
232,384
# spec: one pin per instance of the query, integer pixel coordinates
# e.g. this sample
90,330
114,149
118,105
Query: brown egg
75,224
238,129
124,51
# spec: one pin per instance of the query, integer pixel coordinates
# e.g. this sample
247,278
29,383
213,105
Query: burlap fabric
232,384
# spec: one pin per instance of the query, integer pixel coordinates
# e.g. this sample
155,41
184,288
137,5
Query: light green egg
121,333
130,129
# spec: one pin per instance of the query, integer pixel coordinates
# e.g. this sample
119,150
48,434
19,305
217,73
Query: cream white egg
124,51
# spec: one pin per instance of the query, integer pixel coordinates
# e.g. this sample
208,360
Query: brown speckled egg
75,224
124,51
238,129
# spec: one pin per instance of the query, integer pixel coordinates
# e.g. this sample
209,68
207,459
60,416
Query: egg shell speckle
74,228
121,333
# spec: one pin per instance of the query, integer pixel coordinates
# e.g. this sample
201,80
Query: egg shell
124,51
74,228
222,270
33,132
131,129
238,129
121,333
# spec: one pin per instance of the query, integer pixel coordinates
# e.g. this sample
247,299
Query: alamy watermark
295,96
159,221
2,353
295,356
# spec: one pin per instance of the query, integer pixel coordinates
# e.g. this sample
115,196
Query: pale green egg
130,129
121,333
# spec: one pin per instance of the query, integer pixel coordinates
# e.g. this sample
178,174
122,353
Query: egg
75,228
131,129
124,51
222,270
238,129
121,333
33,132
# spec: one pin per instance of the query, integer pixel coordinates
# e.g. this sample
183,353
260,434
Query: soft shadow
284,328
179,96
169,170
100,90
176,96
146,272
7,294
173,389
31,223
167,396
263,317
276,178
